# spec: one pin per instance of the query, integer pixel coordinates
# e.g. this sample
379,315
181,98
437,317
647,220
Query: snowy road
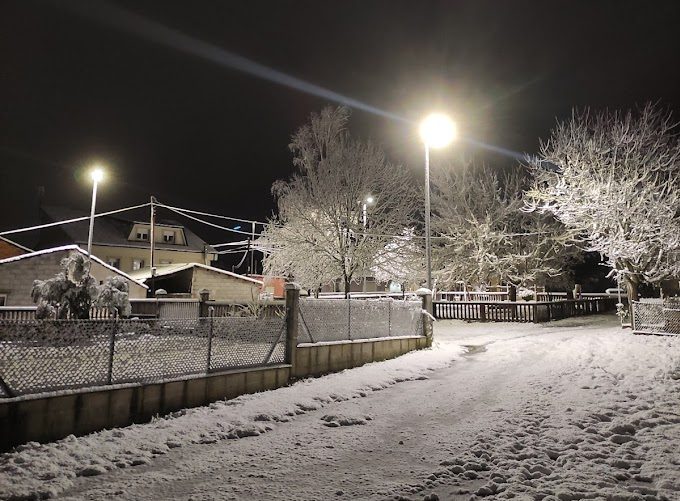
575,409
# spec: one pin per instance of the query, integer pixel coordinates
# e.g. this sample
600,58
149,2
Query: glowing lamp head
437,130
97,174
369,199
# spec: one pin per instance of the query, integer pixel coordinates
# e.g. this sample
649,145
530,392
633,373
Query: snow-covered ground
569,410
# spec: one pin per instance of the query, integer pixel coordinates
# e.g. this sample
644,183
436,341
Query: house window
143,234
113,261
137,264
3,299
169,237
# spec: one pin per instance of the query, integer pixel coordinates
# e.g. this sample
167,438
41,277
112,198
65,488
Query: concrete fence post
204,297
112,348
349,317
389,317
292,313
426,297
211,314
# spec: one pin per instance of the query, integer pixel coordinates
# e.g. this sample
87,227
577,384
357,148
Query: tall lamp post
364,217
437,131
97,175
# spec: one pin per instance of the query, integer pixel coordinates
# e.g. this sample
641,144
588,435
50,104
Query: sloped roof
169,269
15,244
71,248
115,230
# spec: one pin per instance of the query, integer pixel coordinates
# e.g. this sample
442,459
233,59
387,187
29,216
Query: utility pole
248,250
152,245
252,250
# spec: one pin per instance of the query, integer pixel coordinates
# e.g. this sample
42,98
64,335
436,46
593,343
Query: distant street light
436,131
97,175
367,201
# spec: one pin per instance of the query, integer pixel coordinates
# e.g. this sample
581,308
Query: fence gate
656,318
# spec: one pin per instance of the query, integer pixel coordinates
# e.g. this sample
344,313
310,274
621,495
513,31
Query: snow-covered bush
113,295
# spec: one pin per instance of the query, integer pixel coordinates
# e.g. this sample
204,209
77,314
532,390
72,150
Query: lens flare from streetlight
97,174
437,130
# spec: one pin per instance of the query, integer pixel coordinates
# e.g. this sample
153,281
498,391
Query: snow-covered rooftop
169,269
72,247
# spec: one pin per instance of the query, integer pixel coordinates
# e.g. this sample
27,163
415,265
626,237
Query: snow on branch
617,183
322,231
488,238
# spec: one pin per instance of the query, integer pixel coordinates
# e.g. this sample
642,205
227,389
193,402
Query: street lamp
367,201
97,174
436,131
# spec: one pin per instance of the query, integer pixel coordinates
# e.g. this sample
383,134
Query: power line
74,220
187,213
182,213
219,216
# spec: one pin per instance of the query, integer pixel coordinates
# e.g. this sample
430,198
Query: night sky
74,90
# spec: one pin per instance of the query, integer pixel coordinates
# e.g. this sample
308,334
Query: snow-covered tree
69,294
402,261
73,291
615,178
320,234
483,235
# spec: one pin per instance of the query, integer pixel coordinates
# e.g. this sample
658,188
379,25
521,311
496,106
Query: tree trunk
632,290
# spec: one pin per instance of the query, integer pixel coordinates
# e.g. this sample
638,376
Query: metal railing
520,311
656,318
504,296
323,320
162,308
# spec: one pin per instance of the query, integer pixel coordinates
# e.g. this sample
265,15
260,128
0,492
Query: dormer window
143,234
169,237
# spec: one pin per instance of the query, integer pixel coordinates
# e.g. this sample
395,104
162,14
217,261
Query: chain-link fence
350,319
662,317
47,355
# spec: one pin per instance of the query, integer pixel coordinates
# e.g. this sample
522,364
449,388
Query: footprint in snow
333,420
